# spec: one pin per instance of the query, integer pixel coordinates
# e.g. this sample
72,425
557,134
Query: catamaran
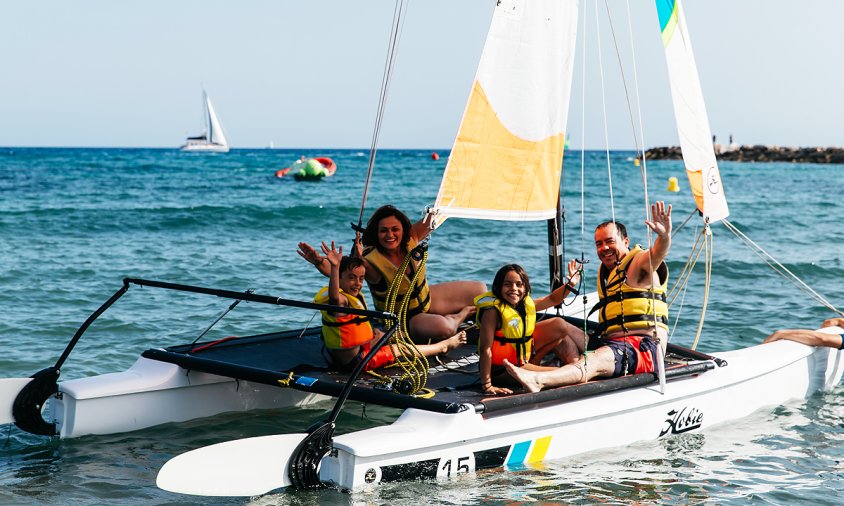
448,426
505,165
505,156
213,138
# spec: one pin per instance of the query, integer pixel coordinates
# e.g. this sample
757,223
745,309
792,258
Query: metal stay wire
604,108
389,64
583,181
780,268
644,163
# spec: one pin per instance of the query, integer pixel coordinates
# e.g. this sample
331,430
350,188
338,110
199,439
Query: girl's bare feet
455,341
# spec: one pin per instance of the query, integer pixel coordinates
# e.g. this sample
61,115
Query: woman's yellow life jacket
344,331
623,307
420,295
514,337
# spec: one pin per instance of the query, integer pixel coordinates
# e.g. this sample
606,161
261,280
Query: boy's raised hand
332,254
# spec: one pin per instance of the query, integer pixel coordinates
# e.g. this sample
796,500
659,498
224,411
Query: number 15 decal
455,464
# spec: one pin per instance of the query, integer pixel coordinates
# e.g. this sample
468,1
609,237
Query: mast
555,247
209,125
206,119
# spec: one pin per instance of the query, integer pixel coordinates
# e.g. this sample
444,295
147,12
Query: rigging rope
683,277
623,79
681,284
584,315
708,279
604,109
677,229
392,50
643,165
781,269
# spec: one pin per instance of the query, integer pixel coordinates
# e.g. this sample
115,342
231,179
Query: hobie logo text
682,421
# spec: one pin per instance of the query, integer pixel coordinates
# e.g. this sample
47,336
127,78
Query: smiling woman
434,311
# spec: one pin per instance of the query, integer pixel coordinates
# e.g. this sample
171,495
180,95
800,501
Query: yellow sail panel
696,184
493,174
507,158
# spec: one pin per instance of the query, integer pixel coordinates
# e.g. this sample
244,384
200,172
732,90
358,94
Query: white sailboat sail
507,157
690,113
215,130
213,138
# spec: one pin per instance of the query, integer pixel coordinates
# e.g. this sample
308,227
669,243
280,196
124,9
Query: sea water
75,222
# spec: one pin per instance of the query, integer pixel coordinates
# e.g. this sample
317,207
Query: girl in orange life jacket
348,337
509,331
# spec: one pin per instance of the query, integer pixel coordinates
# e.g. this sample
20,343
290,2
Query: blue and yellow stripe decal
518,455
528,452
667,10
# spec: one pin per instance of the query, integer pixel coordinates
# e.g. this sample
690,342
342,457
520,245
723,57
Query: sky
307,74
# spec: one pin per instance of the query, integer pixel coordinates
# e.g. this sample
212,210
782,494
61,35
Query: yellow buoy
673,185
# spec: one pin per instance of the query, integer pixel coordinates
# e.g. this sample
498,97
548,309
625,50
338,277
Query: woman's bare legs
451,304
453,296
427,327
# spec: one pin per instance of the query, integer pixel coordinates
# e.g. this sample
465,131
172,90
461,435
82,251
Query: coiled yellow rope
703,243
414,365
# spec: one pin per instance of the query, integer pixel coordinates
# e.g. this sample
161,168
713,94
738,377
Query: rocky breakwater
758,153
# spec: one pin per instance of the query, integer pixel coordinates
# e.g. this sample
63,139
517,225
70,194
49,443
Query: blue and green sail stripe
667,11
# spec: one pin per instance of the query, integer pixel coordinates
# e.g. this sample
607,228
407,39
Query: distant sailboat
213,139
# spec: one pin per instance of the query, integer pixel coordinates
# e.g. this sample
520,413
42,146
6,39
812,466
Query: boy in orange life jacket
347,337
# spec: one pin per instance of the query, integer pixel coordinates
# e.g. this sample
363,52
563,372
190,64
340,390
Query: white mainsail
690,113
215,130
507,157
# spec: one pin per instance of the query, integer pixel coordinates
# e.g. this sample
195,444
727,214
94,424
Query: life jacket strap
520,340
354,321
520,344
620,296
622,320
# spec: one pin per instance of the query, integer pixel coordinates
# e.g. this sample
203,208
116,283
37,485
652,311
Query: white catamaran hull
205,148
426,444
152,393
